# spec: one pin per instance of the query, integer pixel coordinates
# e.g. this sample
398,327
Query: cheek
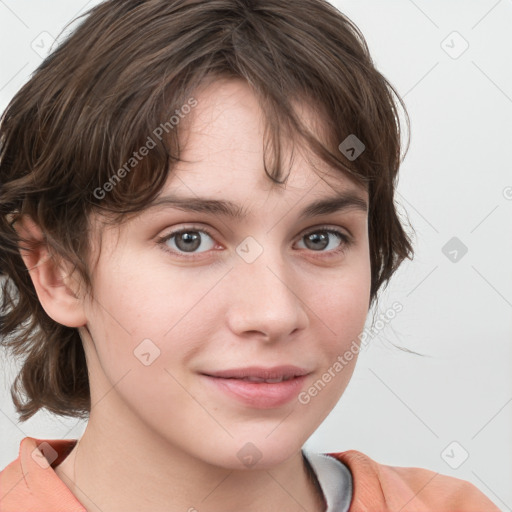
147,312
140,331
342,307
342,304
344,316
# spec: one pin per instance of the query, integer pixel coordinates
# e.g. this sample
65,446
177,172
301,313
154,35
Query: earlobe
56,290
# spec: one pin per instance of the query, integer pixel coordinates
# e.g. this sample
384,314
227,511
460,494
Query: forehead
223,145
221,158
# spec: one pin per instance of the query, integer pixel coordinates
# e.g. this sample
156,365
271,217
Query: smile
258,392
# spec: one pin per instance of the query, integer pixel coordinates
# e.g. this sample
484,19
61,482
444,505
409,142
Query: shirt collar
32,481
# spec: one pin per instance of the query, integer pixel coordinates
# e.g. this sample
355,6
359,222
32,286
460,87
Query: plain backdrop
451,410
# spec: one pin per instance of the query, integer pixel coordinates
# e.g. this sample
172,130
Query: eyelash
346,241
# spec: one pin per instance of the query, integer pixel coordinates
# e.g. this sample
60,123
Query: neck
115,467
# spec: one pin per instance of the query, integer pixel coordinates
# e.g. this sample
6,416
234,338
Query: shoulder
30,482
381,487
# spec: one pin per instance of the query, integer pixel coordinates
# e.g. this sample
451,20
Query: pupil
191,241
315,238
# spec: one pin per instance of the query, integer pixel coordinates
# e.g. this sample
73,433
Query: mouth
257,387
258,379
262,374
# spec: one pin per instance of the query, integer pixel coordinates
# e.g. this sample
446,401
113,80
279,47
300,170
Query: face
180,297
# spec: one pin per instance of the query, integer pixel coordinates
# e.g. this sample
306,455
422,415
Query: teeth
269,381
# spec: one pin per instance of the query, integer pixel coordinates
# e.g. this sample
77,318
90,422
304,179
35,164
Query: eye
186,240
320,238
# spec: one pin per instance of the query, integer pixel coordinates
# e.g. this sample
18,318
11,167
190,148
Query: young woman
197,214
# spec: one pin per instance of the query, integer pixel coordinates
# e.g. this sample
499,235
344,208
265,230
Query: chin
262,452
252,452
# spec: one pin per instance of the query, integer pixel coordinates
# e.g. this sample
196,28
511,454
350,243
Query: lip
259,395
261,372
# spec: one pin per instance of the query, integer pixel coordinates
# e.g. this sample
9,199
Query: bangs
98,128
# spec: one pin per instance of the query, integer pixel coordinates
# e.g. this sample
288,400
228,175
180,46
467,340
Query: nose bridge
263,298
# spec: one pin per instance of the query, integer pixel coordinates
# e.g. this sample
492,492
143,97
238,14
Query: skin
158,438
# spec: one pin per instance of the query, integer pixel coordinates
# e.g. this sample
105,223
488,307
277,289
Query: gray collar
334,478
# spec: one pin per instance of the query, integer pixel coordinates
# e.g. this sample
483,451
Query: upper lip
260,372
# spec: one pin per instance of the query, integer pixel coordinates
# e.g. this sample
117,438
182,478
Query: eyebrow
342,202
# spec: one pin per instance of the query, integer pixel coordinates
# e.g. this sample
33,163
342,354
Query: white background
456,181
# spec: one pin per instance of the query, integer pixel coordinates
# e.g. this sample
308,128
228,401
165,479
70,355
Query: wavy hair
125,70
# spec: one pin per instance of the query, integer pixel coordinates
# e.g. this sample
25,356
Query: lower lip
260,395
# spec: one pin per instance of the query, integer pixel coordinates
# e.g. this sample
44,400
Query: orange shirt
29,484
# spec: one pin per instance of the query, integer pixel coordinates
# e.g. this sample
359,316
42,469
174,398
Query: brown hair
103,93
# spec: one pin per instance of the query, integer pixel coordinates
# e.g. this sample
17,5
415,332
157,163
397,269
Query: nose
265,299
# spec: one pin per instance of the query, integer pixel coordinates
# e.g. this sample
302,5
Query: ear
56,289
